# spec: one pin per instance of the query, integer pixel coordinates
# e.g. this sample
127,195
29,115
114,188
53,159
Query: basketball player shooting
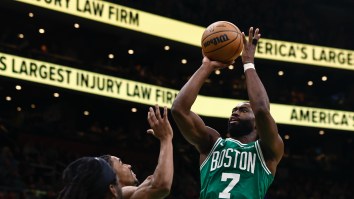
244,164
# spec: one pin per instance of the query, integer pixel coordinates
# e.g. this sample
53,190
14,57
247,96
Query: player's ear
115,190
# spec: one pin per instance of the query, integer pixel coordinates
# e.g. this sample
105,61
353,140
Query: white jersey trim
261,158
211,151
237,142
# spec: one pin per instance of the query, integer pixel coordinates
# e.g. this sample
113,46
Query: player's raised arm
189,123
271,142
219,42
158,185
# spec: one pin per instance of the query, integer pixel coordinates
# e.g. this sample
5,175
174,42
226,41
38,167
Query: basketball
222,41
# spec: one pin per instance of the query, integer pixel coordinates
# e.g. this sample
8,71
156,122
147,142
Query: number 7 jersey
234,170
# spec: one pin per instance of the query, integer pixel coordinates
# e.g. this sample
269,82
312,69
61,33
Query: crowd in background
32,159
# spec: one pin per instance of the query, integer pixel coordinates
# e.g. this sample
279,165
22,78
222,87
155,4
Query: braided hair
87,178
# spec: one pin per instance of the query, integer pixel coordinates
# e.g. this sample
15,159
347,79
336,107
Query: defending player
158,185
90,178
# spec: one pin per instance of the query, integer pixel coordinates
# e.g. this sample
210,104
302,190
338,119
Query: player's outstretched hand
160,125
249,46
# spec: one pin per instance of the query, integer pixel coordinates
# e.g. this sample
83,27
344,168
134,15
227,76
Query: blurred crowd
32,159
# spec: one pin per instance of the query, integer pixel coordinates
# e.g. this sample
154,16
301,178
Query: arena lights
159,26
18,87
41,30
111,56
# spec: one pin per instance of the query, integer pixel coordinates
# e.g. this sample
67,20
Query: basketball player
244,164
90,178
157,185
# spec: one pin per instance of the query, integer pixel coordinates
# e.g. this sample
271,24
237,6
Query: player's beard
241,128
136,182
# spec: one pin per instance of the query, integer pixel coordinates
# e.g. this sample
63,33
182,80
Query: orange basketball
222,41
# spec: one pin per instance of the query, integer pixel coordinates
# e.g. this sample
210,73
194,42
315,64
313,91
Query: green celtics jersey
234,170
